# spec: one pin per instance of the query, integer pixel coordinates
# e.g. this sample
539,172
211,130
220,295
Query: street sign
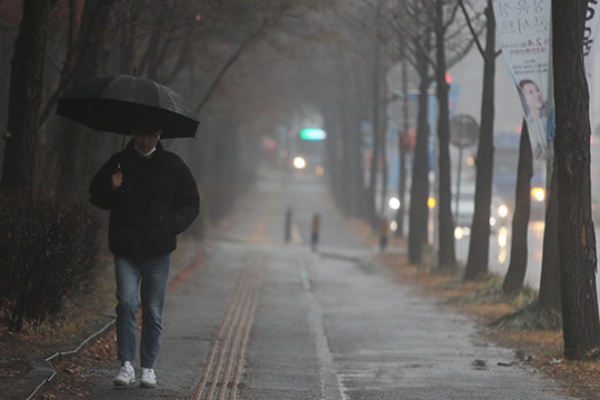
464,131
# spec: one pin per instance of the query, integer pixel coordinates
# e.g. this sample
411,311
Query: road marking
304,276
225,361
331,385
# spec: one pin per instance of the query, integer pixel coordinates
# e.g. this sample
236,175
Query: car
506,161
462,207
501,210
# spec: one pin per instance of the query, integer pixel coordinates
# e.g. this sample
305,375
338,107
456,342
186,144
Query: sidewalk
262,319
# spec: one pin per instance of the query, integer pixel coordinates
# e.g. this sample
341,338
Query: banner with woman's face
524,30
590,35
525,36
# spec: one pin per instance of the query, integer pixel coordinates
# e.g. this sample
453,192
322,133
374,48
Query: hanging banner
590,35
524,32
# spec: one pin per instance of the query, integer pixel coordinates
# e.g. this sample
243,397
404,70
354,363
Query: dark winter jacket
157,200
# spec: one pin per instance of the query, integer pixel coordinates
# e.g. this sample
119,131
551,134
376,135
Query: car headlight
503,237
431,202
461,232
538,194
458,233
503,211
299,163
394,203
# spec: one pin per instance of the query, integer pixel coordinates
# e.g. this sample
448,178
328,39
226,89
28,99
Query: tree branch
234,57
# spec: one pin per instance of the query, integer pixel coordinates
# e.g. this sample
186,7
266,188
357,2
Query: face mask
148,154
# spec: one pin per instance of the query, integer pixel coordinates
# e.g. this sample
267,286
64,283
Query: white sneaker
148,379
126,375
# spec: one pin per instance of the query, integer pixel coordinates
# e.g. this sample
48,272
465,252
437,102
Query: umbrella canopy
116,103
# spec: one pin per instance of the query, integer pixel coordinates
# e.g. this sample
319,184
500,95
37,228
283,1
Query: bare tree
25,96
413,46
422,22
479,242
446,251
577,241
549,298
73,144
377,118
9,23
513,281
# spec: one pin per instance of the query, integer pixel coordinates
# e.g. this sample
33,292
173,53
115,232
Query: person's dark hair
526,81
147,128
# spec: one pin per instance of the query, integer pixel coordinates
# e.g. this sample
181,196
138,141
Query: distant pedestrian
152,197
384,233
315,231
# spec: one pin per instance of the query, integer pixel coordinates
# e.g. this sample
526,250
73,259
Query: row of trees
428,37
211,53
249,66
204,49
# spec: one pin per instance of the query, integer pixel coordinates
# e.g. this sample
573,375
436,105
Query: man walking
152,197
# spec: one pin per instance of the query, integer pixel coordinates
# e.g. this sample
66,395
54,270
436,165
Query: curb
46,366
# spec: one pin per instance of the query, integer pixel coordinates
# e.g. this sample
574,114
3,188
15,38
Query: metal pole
383,234
460,156
288,225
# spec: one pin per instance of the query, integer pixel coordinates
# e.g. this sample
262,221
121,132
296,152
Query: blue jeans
150,277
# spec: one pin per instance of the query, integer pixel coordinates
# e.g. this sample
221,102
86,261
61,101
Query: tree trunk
74,143
447,251
127,44
479,242
402,153
377,134
419,190
346,178
25,96
549,295
332,146
7,45
577,241
354,166
354,188
513,281
350,184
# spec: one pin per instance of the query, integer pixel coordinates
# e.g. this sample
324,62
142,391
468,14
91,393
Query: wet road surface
263,319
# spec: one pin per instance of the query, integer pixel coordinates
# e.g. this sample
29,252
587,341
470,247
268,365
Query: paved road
262,319
500,252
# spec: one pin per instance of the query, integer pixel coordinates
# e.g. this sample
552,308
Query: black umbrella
116,103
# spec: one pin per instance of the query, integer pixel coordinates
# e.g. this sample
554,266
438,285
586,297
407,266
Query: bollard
383,234
287,229
316,227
